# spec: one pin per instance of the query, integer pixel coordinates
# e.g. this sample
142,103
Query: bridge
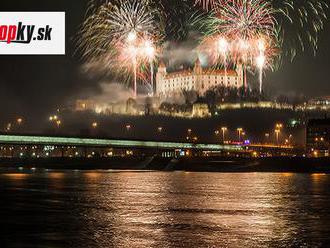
114,143
43,146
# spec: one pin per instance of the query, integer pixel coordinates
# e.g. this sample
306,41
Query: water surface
159,209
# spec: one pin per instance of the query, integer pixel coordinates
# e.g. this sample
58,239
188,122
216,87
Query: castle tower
198,67
198,71
161,73
240,75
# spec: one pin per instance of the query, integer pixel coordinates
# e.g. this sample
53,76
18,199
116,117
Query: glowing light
149,49
58,123
260,61
223,45
115,33
261,45
131,37
94,124
239,131
19,121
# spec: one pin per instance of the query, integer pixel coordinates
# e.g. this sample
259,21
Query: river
163,209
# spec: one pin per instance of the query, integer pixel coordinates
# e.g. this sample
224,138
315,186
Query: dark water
156,209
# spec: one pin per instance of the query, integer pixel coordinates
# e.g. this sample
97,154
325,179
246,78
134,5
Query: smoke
108,92
179,54
175,99
183,53
107,89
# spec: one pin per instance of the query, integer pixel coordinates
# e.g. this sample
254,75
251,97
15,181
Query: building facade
318,137
198,79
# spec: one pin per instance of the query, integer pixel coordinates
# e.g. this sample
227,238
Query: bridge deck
94,142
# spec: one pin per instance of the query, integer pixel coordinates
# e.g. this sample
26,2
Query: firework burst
300,23
124,35
241,32
245,19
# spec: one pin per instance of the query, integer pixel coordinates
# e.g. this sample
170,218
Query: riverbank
200,164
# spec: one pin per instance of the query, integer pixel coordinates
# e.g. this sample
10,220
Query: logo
23,33
32,33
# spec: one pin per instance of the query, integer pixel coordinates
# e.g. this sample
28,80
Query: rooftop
216,72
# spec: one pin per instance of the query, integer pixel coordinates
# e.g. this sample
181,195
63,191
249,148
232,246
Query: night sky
39,84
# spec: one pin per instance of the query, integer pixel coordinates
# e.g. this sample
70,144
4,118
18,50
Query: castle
198,79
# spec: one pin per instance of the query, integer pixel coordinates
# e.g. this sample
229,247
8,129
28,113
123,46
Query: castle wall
199,80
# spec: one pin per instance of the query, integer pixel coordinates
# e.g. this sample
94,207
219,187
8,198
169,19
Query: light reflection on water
158,209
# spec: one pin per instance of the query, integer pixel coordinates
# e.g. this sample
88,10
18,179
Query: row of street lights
9,126
240,133
223,130
55,119
277,132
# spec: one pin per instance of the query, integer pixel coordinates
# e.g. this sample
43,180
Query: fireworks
206,4
254,54
131,19
123,36
243,32
246,19
299,24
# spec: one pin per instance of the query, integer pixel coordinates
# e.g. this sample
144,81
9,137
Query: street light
8,127
279,125
223,129
94,125
239,131
277,132
160,129
267,137
19,121
58,123
278,128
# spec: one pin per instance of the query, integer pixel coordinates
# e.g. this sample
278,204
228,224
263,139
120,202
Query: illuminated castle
198,79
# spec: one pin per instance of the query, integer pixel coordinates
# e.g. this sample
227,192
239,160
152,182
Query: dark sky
38,84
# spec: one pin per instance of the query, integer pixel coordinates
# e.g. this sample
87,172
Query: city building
84,105
315,104
200,110
318,137
199,79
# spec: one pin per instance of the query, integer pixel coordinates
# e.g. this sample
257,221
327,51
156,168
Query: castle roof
162,64
198,62
216,72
